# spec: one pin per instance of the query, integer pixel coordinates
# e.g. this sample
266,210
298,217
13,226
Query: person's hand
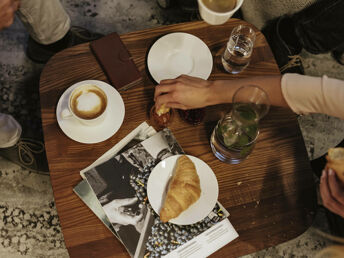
117,213
332,192
7,10
184,92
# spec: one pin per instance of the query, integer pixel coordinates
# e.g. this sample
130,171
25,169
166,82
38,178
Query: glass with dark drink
192,116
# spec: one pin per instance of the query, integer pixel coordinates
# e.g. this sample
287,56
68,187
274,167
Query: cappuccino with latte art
88,102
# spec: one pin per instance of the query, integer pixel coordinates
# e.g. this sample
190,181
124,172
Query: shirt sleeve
306,94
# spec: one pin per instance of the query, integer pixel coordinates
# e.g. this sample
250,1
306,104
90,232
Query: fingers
7,22
336,191
129,201
123,202
181,78
16,5
327,198
178,84
163,99
103,199
176,105
161,89
7,10
9,5
184,92
167,81
324,190
190,79
169,100
170,85
137,218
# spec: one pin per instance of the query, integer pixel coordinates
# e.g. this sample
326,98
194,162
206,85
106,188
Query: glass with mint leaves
235,135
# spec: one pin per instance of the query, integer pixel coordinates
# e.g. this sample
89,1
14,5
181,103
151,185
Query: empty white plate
98,133
158,183
179,53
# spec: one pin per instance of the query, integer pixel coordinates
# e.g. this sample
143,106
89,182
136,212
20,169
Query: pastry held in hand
335,160
162,110
184,190
160,120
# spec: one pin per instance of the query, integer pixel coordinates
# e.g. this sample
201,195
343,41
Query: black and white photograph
120,185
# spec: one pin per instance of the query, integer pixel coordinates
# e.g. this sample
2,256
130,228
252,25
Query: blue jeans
320,27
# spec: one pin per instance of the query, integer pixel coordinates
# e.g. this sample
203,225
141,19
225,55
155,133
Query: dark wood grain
270,196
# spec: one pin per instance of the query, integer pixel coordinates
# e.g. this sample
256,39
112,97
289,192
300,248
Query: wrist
221,91
211,93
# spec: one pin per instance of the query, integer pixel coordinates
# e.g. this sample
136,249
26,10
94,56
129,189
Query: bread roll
335,160
184,190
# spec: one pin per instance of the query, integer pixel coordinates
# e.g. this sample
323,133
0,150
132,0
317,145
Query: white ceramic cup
216,18
93,109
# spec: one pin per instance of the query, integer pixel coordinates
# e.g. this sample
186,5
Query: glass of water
239,49
235,135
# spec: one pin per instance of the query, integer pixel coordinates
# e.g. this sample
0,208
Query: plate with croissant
182,189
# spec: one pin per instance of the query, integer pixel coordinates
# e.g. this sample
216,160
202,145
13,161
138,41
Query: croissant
335,160
184,190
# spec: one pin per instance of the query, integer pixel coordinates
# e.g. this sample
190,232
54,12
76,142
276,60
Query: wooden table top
270,196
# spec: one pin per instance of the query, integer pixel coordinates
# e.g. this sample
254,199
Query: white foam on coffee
88,101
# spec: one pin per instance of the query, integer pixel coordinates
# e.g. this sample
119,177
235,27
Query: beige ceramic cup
216,18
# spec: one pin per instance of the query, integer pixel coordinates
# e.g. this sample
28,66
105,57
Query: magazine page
120,186
84,190
86,194
140,133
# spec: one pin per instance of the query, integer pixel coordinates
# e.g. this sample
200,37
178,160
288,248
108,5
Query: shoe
294,65
29,154
338,56
284,44
40,53
164,4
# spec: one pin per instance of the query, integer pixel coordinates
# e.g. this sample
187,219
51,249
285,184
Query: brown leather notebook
116,61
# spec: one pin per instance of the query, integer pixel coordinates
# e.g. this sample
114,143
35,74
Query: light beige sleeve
306,94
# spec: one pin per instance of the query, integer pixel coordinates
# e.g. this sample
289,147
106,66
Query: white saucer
157,185
179,53
98,133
